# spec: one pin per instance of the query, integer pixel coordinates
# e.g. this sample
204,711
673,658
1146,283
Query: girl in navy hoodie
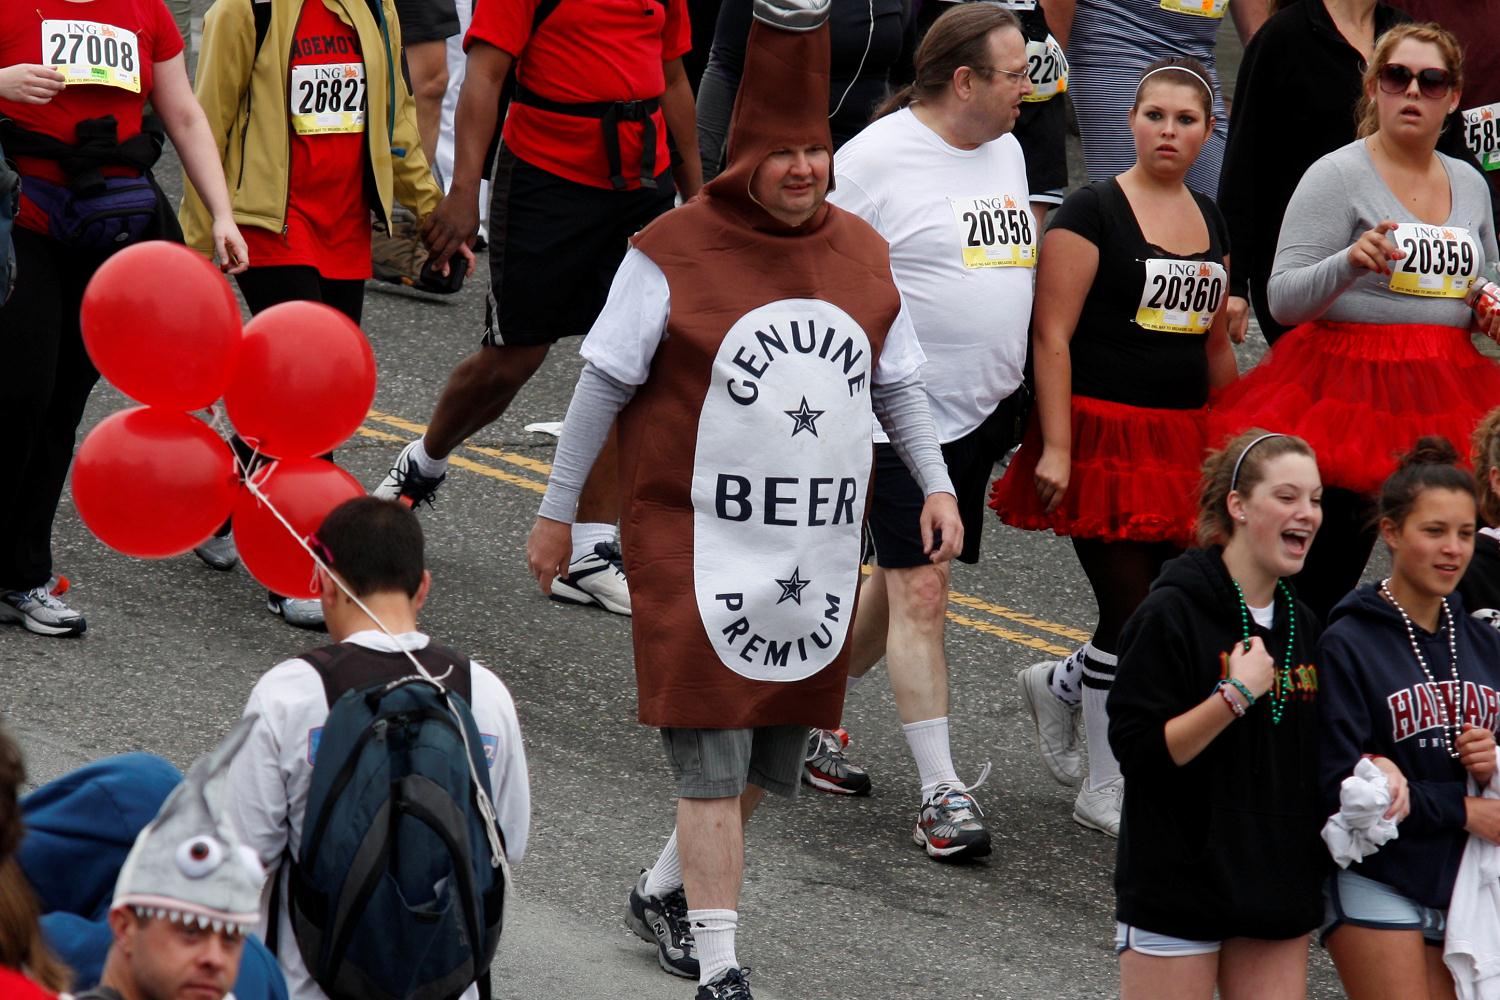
1214,719
1409,677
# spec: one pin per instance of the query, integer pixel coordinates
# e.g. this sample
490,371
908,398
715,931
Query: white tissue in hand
1359,827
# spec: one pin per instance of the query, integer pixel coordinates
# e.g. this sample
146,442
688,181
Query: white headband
1234,477
1174,69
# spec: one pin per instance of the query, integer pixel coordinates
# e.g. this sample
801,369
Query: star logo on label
791,590
804,419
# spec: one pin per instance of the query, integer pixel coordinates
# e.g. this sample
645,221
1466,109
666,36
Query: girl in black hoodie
1408,676
1213,716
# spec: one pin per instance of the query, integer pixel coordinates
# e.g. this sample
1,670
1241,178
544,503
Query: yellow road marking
1020,617
525,482
509,457
1019,638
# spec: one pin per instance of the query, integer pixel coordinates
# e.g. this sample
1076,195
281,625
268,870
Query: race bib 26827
1440,261
1181,296
1482,132
994,231
1197,8
328,97
91,52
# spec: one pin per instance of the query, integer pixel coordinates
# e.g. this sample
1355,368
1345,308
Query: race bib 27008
328,97
1440,261
91,52
1181,296
994,231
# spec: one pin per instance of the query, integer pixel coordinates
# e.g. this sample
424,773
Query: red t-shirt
328,211
14,986
106,48
586,51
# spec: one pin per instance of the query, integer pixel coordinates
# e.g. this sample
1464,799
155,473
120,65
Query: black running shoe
406,483
662,920
731,984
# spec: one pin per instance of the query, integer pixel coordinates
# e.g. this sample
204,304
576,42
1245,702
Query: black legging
1120,574
1340,551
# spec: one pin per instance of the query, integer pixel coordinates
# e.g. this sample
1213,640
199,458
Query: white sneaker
1099,808
39,610
1056,723
405,481
302,612
596,579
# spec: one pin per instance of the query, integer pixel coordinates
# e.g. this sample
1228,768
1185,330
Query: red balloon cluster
161,324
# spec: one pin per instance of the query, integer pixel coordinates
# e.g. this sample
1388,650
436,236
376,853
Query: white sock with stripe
1098,678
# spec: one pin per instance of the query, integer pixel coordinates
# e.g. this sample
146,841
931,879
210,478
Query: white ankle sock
426,464
713,935
1066,682
929,745
585,536
666,875
1098,678
851,682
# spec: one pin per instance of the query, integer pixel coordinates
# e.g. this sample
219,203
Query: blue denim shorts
1159,945
1363,902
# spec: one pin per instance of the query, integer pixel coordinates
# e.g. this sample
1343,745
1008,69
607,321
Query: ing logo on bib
1181,296
994,231
1440,261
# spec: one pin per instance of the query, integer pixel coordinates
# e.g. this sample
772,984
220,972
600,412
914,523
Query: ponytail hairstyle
1432,464
1183,70
959,38
1366,115
1486,456
1249,454
22,947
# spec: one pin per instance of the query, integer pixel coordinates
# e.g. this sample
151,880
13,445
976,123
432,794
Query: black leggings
1120,574
1339,552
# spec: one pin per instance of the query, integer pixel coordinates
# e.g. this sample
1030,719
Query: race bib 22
1440,261
995,231
1181,296
91,52
327,98
1047,66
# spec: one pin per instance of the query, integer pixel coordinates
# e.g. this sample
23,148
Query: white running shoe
1099,808
39,610
1056,723
302,612
597,579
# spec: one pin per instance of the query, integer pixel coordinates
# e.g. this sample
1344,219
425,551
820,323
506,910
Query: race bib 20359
328,97
994,231
1181,296
91,52
1440,261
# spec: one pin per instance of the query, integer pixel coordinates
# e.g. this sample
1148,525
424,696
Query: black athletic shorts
894,524
426,20
555,245
1042,131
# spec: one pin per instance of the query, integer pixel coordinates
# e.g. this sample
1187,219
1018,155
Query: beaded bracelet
1239,686
1223,688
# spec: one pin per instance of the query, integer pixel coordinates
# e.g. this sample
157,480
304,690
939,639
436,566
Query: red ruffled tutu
1362,393
1134,476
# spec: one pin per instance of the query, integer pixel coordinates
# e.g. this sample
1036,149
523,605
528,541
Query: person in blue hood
1409,677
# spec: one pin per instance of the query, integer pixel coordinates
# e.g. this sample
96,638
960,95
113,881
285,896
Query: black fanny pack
611,115
121,211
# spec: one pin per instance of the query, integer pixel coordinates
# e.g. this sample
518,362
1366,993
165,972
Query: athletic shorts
718,763
1129,938
426,20
895,530
1363,902
555,245
1042,131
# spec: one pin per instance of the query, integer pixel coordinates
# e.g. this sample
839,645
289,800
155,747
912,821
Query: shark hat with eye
188,865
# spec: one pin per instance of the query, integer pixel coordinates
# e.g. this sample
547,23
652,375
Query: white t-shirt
270,776
963,252
624,338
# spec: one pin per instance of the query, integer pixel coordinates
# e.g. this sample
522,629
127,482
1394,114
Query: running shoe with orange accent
828,769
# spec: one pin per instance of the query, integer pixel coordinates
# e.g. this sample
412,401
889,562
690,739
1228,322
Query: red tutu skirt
1134,476
1362,393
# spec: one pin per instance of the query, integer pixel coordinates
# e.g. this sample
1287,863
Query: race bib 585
1048,68
1181,296
328,97
1482,132
1197,8
1440,261
994,231
91,52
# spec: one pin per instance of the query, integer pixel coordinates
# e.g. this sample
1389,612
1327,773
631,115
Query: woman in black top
1213,716
1128,338
1480,587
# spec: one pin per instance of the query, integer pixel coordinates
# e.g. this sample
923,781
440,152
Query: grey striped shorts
718,763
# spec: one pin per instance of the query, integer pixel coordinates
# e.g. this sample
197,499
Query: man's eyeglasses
1433,83
996,71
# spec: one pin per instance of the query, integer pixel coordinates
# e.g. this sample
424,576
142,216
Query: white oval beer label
779,481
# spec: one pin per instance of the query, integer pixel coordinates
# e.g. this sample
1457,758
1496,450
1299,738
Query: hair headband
1234,477
1174,69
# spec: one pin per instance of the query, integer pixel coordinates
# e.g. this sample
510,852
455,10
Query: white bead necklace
1451,726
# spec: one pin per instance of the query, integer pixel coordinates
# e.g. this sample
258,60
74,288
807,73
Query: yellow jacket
244,95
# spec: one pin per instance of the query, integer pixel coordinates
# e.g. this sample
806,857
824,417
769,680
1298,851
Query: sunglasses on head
1433,83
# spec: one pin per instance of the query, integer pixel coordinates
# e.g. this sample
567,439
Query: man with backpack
384,783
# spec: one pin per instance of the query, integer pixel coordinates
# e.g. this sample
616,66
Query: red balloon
305,380
153,483
161,324
304,490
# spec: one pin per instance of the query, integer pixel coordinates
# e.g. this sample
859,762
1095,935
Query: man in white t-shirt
941,178
375,547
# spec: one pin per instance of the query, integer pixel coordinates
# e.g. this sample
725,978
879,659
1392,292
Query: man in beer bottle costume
746,339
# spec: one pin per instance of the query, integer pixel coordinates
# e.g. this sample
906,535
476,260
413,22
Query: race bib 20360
1440,261
328,97
994,231
1197,8
1482,132
91,52
1047,66
1181,296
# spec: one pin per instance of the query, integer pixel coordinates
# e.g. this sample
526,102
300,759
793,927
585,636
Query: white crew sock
713,935
426,464
1066,681
586,535
1098,678
929,745
666,875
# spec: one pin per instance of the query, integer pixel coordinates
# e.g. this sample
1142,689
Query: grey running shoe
662,920
827,769
1099,808
949,826
1056,723
405,482
220,553
597,579
731,984
41,612
303,612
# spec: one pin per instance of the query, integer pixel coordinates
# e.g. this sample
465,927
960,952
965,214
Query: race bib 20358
91,52
328,97
994,231
1440,261
1181,296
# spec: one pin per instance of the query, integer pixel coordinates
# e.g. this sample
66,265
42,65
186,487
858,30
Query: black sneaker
731,984
662,920
406,483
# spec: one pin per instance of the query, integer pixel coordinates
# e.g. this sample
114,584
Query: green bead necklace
1284,677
